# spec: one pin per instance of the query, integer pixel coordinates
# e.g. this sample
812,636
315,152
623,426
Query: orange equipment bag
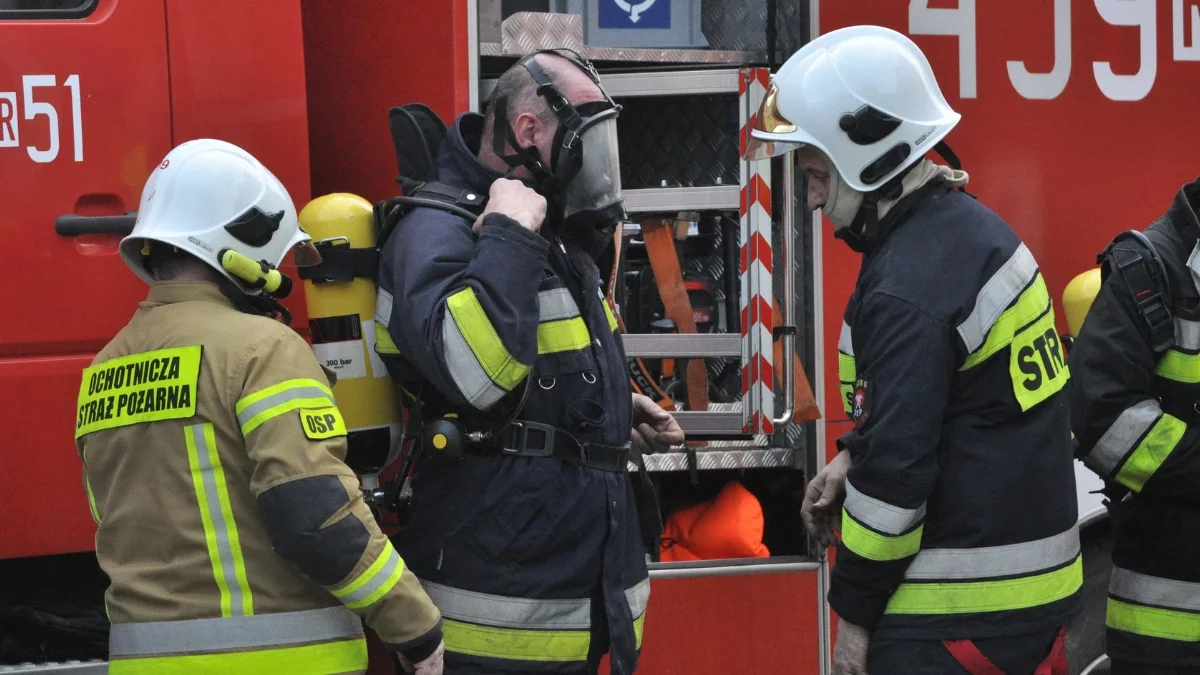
728,526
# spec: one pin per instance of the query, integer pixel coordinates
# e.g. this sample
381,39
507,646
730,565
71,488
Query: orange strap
638,366
664,261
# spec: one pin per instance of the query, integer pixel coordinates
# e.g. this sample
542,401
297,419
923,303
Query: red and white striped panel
758,378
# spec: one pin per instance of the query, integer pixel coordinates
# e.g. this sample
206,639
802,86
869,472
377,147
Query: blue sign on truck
634,14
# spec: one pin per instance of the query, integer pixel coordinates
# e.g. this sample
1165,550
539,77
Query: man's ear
527,126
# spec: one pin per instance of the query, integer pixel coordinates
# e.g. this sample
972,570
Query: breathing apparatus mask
582,179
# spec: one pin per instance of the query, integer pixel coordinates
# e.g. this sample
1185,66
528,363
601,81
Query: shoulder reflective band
263,405
996,298
220,528
1032,305
1154,606
846,368
638,598
507,628
1037,363
612,319
481,366
380,577
874,545
323,423
146,387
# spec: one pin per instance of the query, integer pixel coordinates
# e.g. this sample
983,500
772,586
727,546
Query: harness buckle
519,430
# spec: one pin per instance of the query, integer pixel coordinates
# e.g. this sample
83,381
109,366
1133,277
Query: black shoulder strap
1133,256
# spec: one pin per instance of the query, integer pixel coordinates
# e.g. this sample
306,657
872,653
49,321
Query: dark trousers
1017,655
1130,668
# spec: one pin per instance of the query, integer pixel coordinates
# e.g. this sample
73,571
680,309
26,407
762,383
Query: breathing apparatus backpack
417,133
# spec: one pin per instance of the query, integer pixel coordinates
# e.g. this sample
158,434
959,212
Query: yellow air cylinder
342,322
1078,297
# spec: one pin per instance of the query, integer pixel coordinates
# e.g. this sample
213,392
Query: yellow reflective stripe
1029,306
638,624
277,389
987,596
383,341
1150,454
1156,622
566,335
146,387
375,582
874,546
91,499
516,644
1179,366
220,528
608,313
485,344
343,656
261,406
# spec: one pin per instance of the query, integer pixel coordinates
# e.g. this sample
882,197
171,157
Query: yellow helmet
1077,299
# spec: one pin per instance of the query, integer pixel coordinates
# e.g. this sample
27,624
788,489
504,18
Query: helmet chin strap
864,230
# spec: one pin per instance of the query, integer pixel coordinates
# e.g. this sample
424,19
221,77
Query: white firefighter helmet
864,95
208,197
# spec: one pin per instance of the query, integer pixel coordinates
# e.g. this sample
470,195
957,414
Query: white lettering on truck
1142,14
45,150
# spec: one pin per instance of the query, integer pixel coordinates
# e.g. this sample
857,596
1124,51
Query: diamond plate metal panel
723,460
527,32
684,141
742,25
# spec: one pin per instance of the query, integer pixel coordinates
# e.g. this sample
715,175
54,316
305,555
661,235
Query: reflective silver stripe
220,527
997,294
1121,438
293,394
556,304
881,516
1155,591
232,633
995,561
468,374
845,344
383,308
381,577
638,598
505,612
1187,334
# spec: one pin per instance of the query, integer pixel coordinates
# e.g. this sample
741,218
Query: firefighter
955,488
527,538
1135,414
235,538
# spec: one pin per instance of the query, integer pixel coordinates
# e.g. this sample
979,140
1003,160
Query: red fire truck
1073,128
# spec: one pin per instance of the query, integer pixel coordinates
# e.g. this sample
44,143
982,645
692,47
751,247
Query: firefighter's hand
822,508
850,652
654,429
517,201
432,665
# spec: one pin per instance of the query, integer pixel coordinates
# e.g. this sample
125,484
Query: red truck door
84,116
